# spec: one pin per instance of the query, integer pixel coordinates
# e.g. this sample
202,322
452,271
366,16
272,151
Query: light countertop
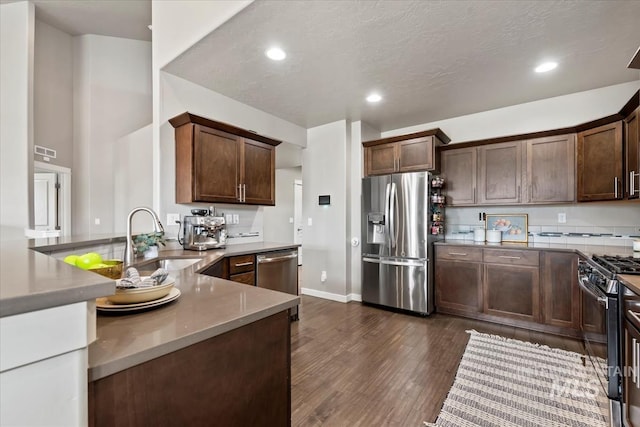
32,281
207,306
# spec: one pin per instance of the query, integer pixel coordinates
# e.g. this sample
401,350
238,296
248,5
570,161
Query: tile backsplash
617,221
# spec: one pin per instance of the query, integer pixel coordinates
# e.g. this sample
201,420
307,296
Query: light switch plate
309,222
173,218
236,219
228,219
562,218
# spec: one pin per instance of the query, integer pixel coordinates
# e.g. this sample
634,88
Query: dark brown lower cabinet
525,288
561,294
512,291
631,374
240,378
459,286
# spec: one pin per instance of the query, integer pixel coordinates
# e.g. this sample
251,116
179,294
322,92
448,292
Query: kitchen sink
168,263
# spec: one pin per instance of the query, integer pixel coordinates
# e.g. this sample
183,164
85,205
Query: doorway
297,216
52,198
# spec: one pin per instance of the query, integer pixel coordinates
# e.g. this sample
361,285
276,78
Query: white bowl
136,295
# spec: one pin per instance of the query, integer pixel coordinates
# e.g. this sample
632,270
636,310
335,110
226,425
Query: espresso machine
204,230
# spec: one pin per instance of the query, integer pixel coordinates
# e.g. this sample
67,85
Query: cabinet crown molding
187,117
444,139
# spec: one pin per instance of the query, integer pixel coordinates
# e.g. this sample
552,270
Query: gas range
618,264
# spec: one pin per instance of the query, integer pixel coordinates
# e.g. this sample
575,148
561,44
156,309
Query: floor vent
44,151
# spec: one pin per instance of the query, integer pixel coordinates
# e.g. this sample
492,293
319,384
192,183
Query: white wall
53,93
112,98
277,227
133,172
324,171
546,114
16,117
178,96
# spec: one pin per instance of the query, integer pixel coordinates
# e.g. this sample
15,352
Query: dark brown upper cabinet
632,154
218,162
499,173
549,175
599,163
406,153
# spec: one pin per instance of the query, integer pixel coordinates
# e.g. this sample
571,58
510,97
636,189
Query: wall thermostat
324,200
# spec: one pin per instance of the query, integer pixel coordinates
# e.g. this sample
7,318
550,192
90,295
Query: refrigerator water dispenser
375,227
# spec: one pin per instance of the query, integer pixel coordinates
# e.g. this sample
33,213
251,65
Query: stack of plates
126,300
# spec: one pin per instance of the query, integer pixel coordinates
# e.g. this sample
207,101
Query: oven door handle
599,296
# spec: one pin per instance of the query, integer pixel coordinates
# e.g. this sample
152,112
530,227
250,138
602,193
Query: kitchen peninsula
221,348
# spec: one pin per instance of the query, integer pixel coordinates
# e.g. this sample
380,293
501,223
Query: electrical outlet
173,218
309,222
562,218
236,219
96,221
323,276
290,220
228,219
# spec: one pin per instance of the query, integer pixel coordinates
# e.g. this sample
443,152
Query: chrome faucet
129,249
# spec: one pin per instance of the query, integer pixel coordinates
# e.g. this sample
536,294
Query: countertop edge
583,250
630,281
99,372
28,303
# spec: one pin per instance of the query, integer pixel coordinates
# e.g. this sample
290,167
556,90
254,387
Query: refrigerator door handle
393,206
387,201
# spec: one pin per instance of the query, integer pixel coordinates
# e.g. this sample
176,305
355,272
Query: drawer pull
458,253
242,264
509,257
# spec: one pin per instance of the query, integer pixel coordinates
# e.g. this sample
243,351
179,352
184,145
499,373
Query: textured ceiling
429,59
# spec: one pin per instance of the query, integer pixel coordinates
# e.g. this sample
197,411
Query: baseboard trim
354,297
330,296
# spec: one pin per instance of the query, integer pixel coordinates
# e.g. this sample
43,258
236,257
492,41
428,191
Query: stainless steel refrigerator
397,245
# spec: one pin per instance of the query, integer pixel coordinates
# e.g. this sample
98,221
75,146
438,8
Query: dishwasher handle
263,259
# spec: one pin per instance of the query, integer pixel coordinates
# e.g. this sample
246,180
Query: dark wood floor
358,365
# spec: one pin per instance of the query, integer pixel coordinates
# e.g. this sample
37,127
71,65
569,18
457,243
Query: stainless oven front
600,328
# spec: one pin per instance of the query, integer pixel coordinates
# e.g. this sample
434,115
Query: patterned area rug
505,382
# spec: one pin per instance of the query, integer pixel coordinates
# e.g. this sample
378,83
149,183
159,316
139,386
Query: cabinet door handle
508,257
239,193
243,264
458,253
615,187
632,182
244,192
518,196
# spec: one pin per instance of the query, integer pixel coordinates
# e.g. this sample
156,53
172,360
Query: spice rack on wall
437,199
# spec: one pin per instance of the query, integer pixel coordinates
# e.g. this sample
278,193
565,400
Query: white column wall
17,23
324,172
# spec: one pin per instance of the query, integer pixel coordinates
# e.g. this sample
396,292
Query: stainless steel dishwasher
278,271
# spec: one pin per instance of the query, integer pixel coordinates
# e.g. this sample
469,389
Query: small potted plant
147,244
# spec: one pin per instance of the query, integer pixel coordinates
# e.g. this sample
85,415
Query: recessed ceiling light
374,97
276,54
546,66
